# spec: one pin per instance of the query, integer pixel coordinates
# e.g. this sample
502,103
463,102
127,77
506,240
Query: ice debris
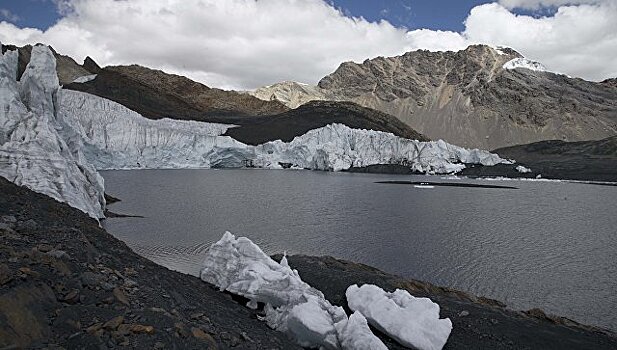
523,170
239,266
413,322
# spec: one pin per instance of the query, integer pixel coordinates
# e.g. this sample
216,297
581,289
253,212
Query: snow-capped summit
525,63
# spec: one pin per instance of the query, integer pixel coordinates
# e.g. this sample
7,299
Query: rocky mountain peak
415,73
91,66
612,82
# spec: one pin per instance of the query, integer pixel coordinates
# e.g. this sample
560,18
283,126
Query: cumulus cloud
232,43
249,43
577,40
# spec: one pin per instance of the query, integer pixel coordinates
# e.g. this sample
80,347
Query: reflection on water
540,244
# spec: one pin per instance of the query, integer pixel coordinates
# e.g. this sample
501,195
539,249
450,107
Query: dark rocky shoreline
66,283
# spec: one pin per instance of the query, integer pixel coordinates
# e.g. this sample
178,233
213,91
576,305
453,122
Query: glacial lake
551,245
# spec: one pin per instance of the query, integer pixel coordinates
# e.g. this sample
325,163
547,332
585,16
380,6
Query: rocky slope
584,160
156,94
469,98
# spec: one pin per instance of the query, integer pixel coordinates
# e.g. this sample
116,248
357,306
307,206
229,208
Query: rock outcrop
91,66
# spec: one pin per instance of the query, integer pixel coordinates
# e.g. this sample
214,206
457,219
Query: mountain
156,94
316,114
477,97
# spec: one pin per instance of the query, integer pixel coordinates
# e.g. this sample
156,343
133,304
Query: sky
243,44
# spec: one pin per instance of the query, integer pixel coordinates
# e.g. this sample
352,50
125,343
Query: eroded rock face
468,97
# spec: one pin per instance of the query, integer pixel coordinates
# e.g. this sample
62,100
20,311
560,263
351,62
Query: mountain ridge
472,98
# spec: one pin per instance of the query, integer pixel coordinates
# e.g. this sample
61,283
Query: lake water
550,245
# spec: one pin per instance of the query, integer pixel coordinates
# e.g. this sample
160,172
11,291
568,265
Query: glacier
38,148
54,140
239,266
413,322
115,137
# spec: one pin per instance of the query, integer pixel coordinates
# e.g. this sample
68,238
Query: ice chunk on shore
292,306
523,170
355,334
411,321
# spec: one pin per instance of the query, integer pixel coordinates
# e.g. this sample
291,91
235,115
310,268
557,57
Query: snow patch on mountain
239,266
38,148
85,78
525,63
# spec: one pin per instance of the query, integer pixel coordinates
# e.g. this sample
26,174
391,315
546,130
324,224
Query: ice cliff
38,149
118,138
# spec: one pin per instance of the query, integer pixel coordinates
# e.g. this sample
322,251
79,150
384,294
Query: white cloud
248,43
8,15
577,40
537,4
